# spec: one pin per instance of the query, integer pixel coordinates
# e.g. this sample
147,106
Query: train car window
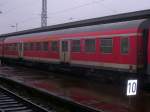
14,47
75,46
26,46
8,47
124,45
31,46
106,45
45,46
34,46
38,46
5,47
41,46
11,47
90,45
64,46
54,46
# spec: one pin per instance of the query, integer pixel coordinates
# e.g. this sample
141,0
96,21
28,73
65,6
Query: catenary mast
44,13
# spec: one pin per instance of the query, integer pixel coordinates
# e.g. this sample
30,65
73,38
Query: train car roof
134,24
102,20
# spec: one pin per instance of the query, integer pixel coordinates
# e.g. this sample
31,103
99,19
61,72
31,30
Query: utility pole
44,13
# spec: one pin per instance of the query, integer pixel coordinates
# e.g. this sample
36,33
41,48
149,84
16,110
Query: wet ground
104,96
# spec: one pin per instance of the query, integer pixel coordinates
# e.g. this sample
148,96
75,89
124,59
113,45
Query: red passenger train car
117,46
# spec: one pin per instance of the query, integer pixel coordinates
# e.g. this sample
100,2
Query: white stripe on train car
102,64
104,36
41,59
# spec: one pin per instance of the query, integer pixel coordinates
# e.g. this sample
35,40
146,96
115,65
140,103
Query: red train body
119,46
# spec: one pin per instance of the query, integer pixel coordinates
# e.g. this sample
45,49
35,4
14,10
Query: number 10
131,87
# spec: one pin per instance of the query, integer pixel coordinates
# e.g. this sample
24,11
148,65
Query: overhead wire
81,6
16,8
68,10
71,9
25,20
62,11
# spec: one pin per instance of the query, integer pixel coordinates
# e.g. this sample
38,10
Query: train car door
65,51
20,50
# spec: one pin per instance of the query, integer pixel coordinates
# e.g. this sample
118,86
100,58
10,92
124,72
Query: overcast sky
26,13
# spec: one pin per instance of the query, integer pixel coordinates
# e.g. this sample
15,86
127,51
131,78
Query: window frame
79,46
28,46
8,47
94,51
31,46
25,46
14,47
45,46
37,46
57,45
11,47
100,47
34,46
121,38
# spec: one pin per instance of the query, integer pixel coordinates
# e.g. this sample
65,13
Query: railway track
10,102
56,103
